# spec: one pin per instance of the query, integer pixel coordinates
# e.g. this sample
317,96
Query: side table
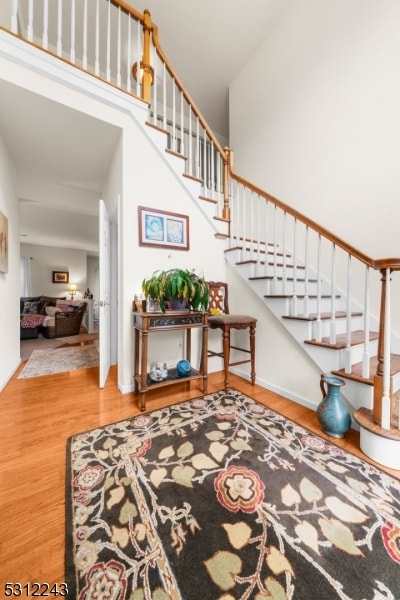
144,324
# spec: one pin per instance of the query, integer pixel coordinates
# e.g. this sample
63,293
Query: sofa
53,317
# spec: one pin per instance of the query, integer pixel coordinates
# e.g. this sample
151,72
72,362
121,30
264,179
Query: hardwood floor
37,416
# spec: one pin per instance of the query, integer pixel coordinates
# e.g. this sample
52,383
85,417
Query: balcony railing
295,256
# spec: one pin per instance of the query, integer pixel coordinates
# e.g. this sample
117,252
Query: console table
144,324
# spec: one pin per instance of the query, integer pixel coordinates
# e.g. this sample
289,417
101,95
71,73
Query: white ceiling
55,148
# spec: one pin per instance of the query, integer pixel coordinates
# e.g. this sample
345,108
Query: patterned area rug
222,498
47,362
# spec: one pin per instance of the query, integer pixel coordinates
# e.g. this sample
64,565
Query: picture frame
3,243
60,277
163,229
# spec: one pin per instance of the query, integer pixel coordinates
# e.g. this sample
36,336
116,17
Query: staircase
317,286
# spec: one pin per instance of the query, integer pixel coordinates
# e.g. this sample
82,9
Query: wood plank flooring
37,415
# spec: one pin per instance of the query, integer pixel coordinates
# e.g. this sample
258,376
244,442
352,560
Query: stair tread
279,278
260,251
357,337
357,369
323,316
364,418
289,296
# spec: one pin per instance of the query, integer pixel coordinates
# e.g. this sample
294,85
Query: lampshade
72,289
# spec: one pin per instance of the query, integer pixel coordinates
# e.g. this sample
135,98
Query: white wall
46,259
149,182
9,282
320,131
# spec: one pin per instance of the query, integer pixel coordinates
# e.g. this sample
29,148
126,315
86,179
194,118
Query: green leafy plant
177,283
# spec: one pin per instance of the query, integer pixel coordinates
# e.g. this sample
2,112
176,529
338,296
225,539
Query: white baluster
59,28
306,273
274,278
284,257
333,296
386,358
97,41
294,297
45,38
244,222
182,148
73,25
258,223
108,67
14,16
366,353
138,55
173,145
119,48
85,36
318,325
205,161
29,31
212,171
155,93
164,115
190,153
129,55
347,354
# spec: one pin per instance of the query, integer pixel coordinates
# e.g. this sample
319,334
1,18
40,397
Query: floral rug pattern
47,362
223,498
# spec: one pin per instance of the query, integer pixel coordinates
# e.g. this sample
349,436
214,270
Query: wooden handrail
377,264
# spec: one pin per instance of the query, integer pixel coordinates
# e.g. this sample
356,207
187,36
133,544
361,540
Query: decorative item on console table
167,287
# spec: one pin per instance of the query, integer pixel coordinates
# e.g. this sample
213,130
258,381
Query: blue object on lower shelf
183,368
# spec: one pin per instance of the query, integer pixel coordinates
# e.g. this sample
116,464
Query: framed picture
3,243
163,229
60,277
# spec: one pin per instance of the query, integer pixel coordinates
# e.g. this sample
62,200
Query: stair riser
278,287
358,394
396,382
304,306
380,449
309,330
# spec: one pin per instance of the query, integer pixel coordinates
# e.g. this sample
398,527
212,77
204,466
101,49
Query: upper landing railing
110,40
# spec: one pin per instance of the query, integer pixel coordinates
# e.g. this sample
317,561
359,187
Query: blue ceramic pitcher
332,413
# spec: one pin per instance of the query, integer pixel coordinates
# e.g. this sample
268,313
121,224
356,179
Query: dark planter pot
177,304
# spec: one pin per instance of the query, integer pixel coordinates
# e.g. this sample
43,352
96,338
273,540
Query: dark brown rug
222,498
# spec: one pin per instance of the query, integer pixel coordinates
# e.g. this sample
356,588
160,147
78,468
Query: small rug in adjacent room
48,362
223,498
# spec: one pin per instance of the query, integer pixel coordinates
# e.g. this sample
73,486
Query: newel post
146,65
381,410
143,71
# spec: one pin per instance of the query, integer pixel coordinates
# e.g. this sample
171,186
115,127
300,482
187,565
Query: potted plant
180,284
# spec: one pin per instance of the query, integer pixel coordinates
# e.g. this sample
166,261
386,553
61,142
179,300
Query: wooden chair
220,318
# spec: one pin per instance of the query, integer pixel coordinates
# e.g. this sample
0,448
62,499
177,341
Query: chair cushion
230,320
